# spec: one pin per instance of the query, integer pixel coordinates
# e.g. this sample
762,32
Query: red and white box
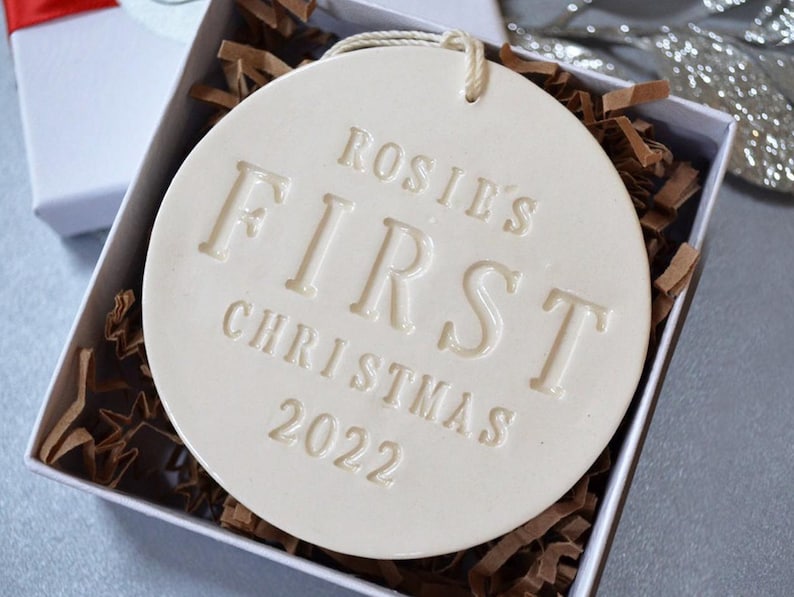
93,82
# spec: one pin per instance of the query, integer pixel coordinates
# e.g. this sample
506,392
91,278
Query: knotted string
476,70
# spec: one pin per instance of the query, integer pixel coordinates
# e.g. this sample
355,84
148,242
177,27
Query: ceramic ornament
392,320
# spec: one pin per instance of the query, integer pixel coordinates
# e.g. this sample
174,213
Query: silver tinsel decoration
774,25
704,67
717,6
564,51
744,76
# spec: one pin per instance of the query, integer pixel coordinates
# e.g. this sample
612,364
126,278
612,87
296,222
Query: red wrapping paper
24,13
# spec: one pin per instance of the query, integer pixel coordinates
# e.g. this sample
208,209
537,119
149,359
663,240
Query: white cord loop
476,66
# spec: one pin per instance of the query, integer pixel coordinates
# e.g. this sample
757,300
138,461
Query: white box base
92,88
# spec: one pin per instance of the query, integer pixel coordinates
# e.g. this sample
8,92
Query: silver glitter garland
561,50
709,69
718,6
774,25
744,77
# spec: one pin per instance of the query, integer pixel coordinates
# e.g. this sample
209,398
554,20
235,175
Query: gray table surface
711,510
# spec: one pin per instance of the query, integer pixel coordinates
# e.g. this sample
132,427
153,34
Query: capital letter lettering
358,141
303,283
384,271
235,209
231,312
491,323
573,324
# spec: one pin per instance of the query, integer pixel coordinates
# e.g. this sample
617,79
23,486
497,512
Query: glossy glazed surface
396,291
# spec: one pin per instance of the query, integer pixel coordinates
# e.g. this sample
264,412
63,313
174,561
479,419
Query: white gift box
699,132
92,87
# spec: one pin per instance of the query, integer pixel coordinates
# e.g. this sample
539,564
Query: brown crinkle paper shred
116,433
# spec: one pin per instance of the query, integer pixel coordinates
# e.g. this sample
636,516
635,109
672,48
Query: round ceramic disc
389,321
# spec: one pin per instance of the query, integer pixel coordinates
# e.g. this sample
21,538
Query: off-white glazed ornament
389,321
